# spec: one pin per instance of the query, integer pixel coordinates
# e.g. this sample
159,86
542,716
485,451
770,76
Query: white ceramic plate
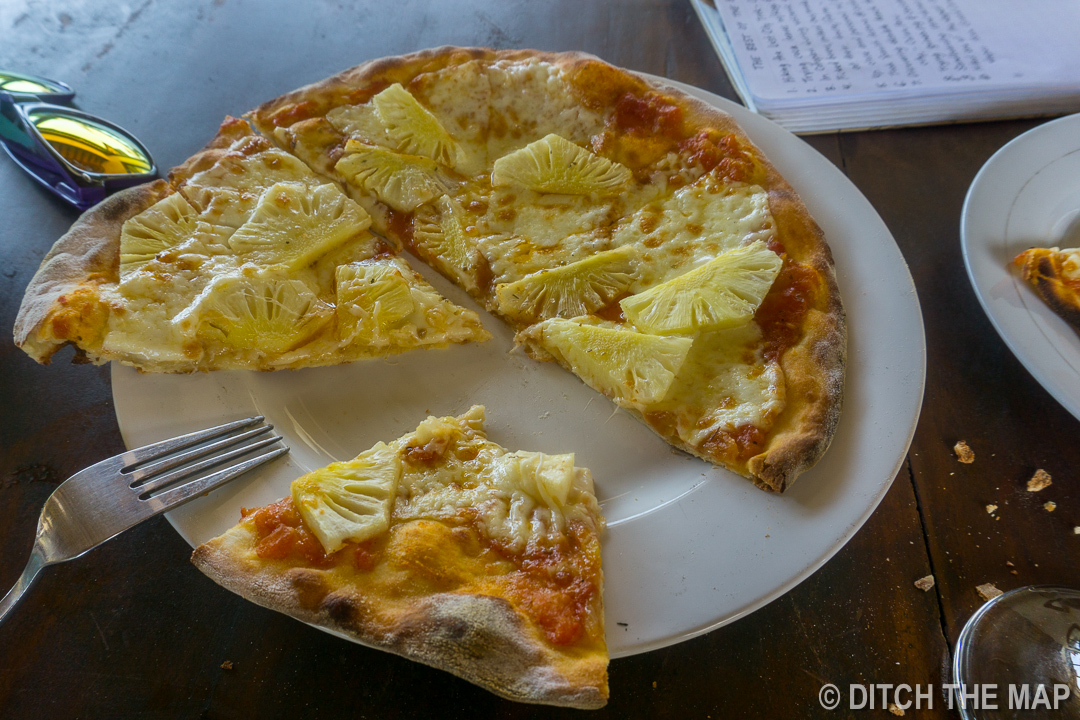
1027,195
689,547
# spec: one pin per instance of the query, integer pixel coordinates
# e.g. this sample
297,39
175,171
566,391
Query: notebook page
813,49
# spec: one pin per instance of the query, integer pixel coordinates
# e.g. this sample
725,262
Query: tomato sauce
781,314
554,586
283,536
720,153
648,115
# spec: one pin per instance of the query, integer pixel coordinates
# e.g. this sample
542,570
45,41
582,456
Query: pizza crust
59,306
479,638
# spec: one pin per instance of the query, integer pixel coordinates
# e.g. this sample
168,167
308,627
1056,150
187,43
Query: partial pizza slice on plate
445,548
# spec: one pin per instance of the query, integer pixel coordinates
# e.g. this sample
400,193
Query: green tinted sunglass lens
89,145
16,83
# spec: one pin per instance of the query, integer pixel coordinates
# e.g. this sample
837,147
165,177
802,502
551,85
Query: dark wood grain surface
133,630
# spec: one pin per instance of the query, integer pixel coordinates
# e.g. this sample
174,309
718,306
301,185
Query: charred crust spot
310,587
341,608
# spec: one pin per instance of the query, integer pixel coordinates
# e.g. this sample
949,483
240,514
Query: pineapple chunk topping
360,121
548,478
165,224
571,290
440,233
404,182
413,128
373,297
294,226
632,368
556,165
269,314
724,292
351,500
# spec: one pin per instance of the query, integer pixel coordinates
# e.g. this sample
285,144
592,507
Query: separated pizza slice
445,548
246,259
1055,275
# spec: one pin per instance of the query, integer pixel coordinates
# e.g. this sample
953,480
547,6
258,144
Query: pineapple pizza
445,548
628,232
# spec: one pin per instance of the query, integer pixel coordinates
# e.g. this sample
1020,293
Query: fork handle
29,574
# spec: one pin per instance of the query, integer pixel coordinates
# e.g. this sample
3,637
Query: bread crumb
964,453
227,665
991,508
1009,563
1050,506
1013,572
896,709
654,683
925,583
987,591
1076,530
1039,481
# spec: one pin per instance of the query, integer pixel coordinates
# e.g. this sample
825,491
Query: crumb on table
991,508
896,709
925,583
1039,481
227,665
988,591
1050,506
964,453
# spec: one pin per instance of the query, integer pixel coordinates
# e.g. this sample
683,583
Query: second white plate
689,547
1027,195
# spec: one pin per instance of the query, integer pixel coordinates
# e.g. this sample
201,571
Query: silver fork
107,498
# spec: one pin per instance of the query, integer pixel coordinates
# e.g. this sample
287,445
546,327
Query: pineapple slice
294,225
163,225
440,234
269,314
351,500
632,368
404,182
571,290
413,128
360,121
556,165
547,478
724,292
373,298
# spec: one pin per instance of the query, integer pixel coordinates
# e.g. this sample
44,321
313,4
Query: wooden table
133,630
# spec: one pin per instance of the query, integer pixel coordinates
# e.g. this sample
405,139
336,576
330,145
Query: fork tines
151,470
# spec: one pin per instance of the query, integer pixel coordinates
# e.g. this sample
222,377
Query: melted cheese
693,226
516,499
725,383
531,99
1070,268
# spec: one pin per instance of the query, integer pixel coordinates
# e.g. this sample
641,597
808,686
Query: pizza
628,232
445,548
244,259
625,230
1055,275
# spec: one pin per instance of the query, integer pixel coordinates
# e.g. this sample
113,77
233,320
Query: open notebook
852,64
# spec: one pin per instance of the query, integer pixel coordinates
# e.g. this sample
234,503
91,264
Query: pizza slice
445,548
245,259
1055,275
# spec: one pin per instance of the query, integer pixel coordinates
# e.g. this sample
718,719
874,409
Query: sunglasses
79,157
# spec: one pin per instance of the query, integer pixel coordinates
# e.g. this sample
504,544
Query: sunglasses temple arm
12,132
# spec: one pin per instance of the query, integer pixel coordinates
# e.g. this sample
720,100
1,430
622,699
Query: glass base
1019,657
